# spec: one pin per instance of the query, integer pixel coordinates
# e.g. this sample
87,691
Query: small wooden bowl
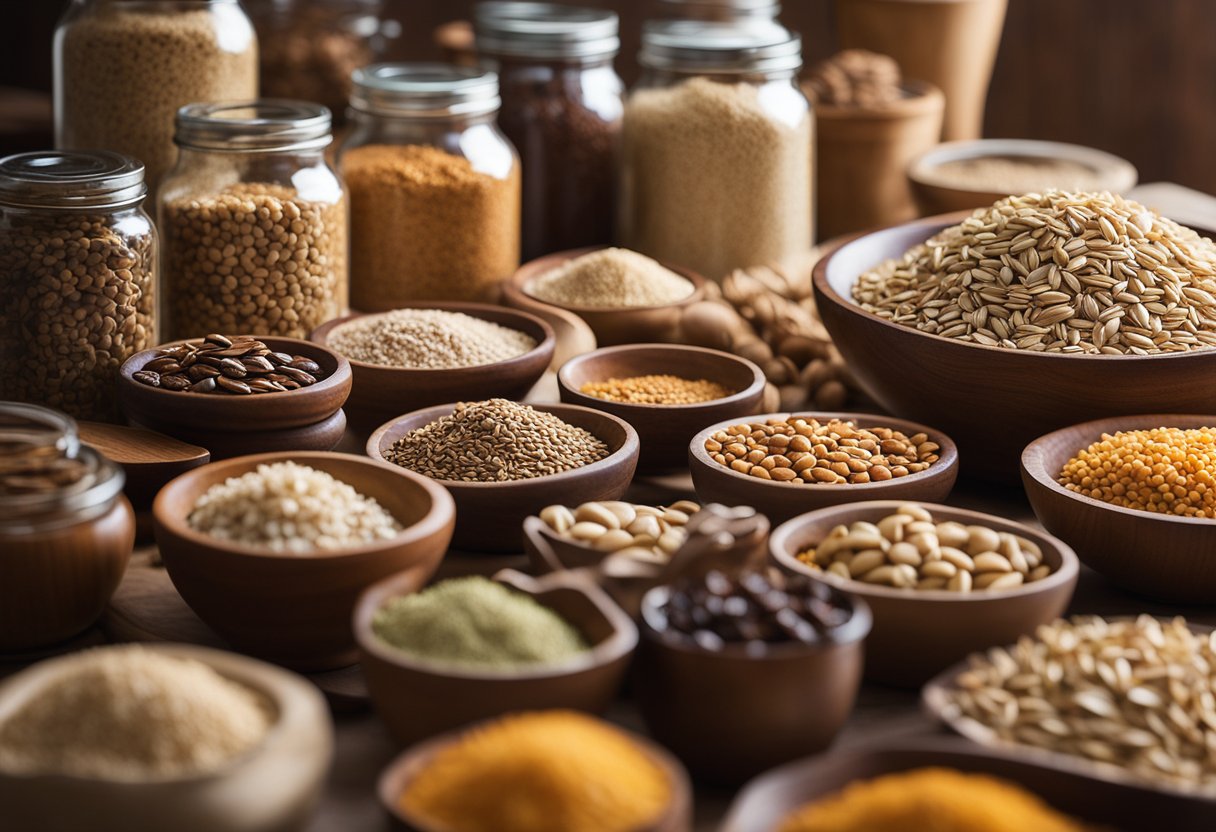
490,514
295,609
419,699
780,501
630,325
401,772
379,393
663,430
917,633
729,715
273,787
1157,555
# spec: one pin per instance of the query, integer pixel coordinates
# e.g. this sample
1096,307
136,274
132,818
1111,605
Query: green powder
477,622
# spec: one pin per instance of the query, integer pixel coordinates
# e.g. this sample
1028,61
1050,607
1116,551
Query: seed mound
496,441
291,508
647,535
855,78
612,278
428,339
1014,174
1073,273
131,713
238,365
656,389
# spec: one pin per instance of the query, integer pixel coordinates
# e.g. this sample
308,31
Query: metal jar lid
418,90
248,126
545,30
699,46
720,9
71,179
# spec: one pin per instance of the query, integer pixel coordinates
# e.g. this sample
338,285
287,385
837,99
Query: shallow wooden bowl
490,515
639,324
295,609
768,800
993,401
1157,555
380,393
401,772
919,633
419,699
780,501
729,715
272,788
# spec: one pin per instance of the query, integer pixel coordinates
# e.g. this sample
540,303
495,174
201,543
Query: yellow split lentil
656,389
1162,470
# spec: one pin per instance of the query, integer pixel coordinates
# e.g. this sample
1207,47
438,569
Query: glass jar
716,148
254,222
561,108
78,273
434,186
123,67
66,531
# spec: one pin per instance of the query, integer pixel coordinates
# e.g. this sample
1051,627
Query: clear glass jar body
716,169
123,67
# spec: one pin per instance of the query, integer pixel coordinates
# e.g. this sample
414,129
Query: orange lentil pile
656,389
1163,470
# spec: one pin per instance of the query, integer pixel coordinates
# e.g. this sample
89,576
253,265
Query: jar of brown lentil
77,278
254,222
434,186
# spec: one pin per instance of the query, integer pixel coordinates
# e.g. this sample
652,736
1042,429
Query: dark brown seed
257,364
165,364
206,385
279,358
297,375
147,377
210,359
307,365
219,340
276,376
235,351
233,368
232,385
201,371
175,383
262,385
288,384
188,360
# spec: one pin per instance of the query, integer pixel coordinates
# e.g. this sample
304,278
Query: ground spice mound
549,771
132,713
656,389
428,339
612,278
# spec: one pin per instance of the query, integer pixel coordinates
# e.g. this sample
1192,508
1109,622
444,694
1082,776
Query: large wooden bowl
664,430
993,401
296,609
490,515
379,393
1157,555
918,633
780,501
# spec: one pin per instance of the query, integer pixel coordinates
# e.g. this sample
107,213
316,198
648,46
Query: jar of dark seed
561,108
77,278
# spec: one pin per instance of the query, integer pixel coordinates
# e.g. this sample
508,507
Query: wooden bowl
630,325
379,393
664,430
490,514
993,401
918,633
768,800
780,501
418,699
1156,555
399,774
938,195
272,788
295,609
729,715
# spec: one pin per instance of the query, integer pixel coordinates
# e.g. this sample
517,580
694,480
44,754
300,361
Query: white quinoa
612,278
428,339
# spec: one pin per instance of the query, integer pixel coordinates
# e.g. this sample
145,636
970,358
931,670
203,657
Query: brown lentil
428,339
804,450
240,365
655,389
1163,470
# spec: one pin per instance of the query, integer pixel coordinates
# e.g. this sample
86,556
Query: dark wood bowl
768,800
1155,555
993,401
729,715
490,515
632,325
379,393
780,501
222,443
664,430
419,699
296,609
401,771
918,633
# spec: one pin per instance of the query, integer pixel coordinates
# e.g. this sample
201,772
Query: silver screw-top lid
720,9
71,179
699,46
545,30
414,90
244,126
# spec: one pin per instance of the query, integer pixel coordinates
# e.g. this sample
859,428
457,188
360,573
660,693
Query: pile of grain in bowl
855,78
495,441
1014,174
428,339
291,508
1083,273
648,534
611,278
656,389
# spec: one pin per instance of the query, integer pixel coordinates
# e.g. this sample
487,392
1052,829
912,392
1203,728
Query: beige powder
611,278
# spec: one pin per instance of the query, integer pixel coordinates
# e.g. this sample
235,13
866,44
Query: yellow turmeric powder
549,771
936,799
